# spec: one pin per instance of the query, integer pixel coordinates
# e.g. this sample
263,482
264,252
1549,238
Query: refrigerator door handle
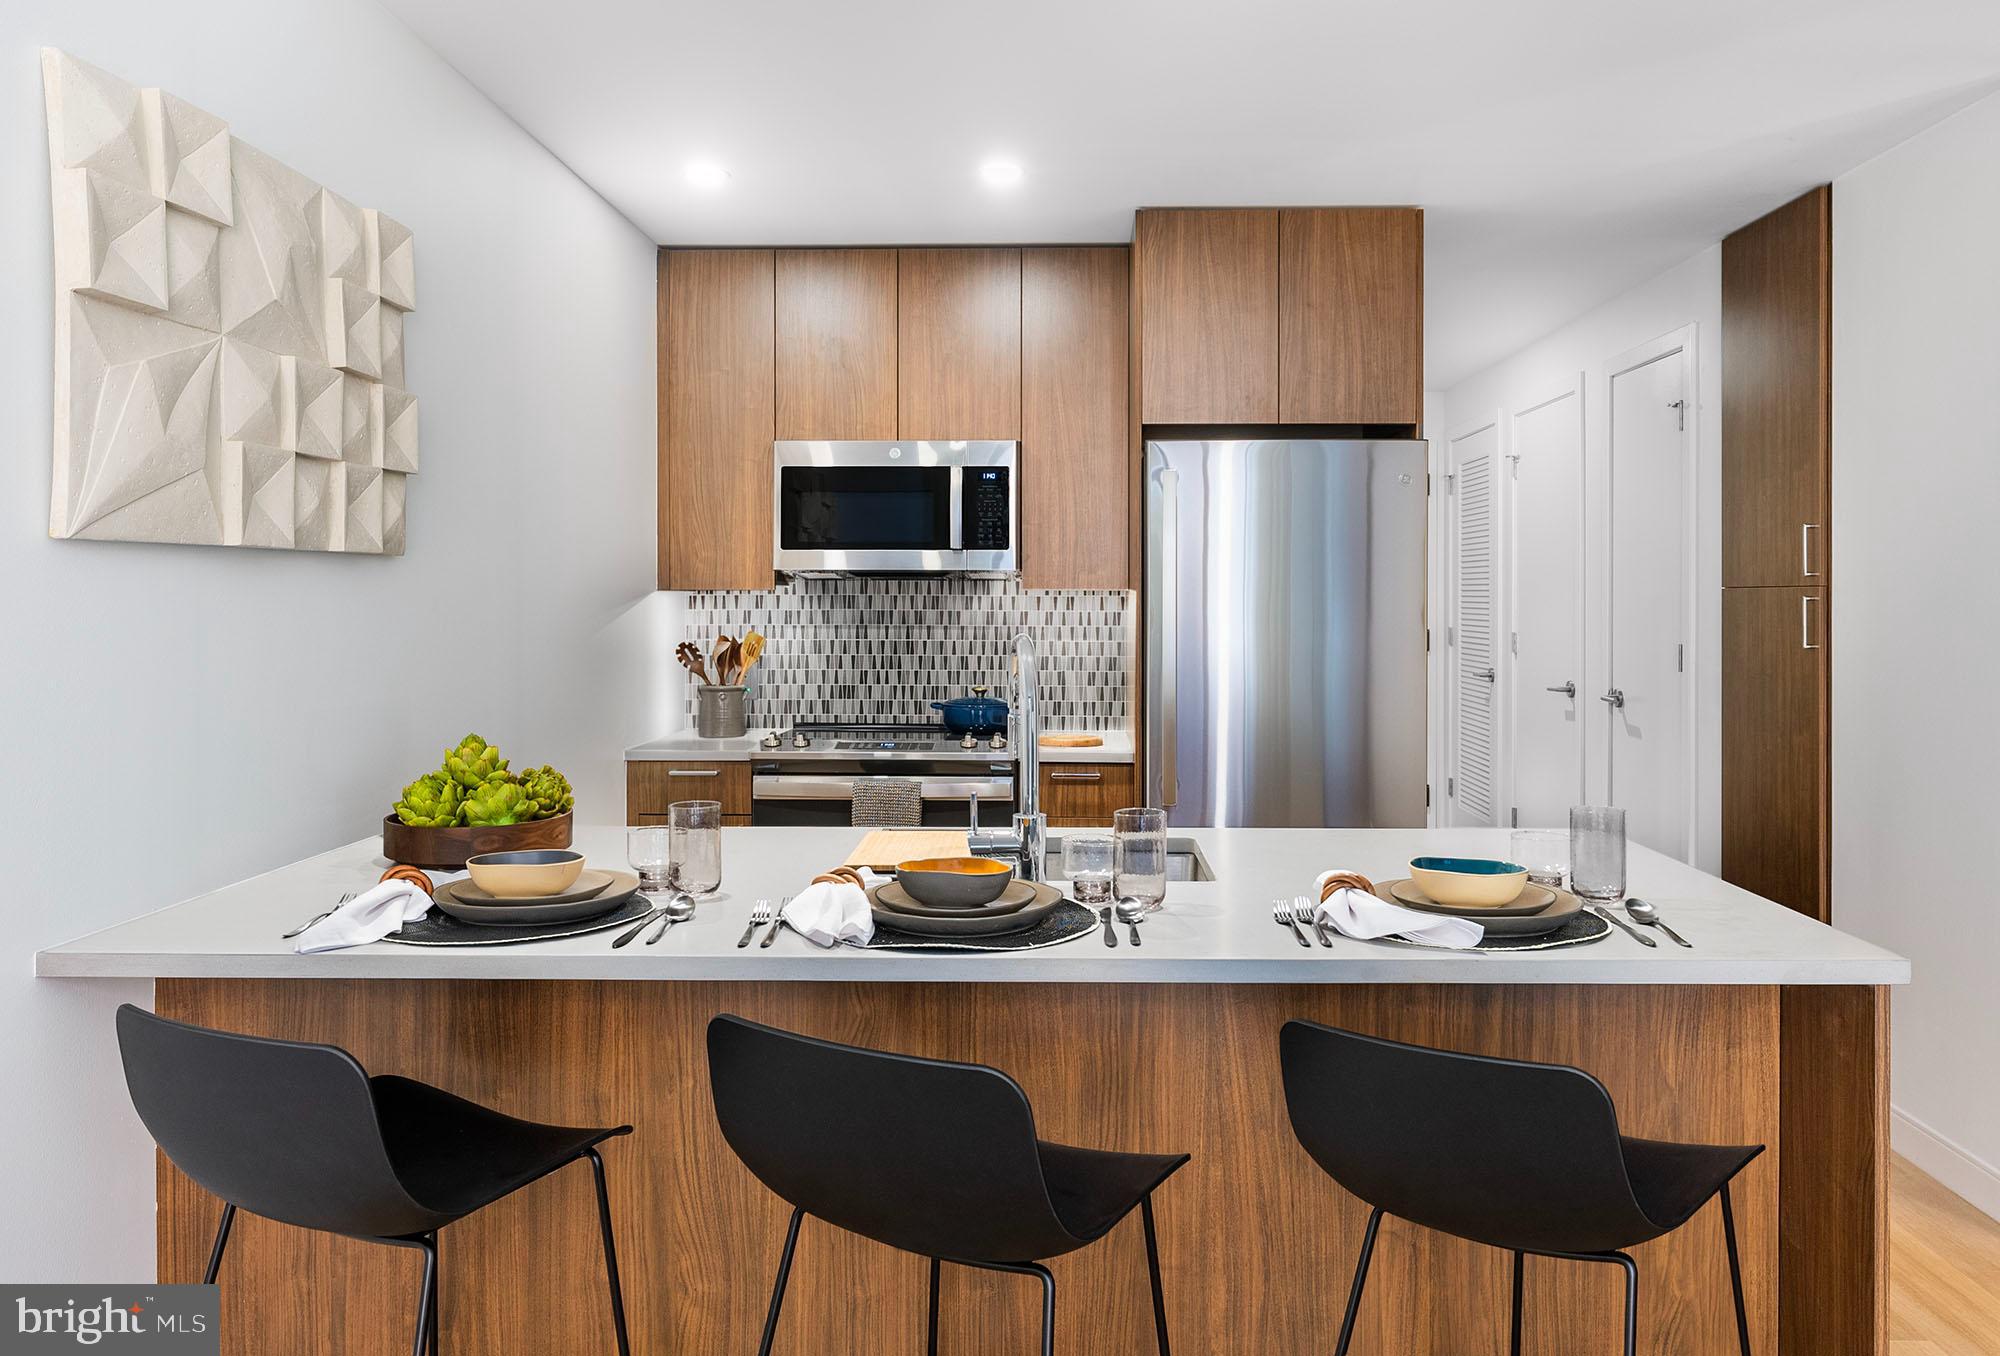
1169,595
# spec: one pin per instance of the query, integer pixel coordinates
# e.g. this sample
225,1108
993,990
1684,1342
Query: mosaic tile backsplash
885,649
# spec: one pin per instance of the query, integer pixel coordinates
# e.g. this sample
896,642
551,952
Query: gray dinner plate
466,910
956,923
589,885
1558,910
895,896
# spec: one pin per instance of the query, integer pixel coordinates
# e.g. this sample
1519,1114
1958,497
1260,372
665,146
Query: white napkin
832,912
368,917
1356,913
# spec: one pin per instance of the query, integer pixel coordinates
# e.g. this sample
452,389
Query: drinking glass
1597,853
646,850
694,833
1545,852
1139,865
1087,867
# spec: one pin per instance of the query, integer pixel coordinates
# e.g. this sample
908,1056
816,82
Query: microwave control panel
985,516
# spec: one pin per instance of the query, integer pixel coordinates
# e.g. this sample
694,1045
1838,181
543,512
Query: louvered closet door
1474,659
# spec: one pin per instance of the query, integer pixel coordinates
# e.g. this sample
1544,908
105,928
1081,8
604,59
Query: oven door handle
842,788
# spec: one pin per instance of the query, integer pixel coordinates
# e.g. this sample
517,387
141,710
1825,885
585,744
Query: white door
1545,751
1647,741
1474,655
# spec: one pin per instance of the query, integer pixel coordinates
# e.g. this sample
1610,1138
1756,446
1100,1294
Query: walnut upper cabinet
1351,315
958,343
1777,396
1208,315
1292,316
1075,398
716,309
836,343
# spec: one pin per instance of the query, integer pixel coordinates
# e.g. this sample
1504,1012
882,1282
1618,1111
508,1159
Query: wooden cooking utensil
719,656
691,660
753,650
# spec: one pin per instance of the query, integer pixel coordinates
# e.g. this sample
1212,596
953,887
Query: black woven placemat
1066,922
438,928
1582,928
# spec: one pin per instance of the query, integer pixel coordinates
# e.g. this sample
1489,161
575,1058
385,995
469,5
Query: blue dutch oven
978,715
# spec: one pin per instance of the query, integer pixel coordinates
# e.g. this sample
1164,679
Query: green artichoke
430,802
473,762
549,790
500,800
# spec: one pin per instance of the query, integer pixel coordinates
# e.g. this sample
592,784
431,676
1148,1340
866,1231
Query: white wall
1690,293
175,718
1916,619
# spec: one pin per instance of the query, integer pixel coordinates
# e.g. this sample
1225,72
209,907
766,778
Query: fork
346,898
777,923
1303,910
1282,912
758,917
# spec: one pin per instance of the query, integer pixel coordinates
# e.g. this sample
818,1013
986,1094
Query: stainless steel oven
907,507
807,775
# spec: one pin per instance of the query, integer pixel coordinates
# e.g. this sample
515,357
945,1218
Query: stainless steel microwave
906,507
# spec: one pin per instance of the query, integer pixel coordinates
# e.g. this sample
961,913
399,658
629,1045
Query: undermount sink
1184,860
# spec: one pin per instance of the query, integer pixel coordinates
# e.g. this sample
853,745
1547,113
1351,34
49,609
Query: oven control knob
799,741
968,743
770,741
999,742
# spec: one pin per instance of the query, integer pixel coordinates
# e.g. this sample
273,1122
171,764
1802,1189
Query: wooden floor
1944,1270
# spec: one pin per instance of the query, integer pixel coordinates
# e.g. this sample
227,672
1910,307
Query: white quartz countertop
1210,932
691,747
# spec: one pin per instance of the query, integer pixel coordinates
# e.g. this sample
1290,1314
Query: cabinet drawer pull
1805,550
1075,776
1805,623
694,772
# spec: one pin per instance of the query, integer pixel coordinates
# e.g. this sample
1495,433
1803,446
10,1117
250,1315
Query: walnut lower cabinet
1084,795
1775,744
650,787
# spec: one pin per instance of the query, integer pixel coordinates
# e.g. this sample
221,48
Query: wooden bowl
446,849
954,882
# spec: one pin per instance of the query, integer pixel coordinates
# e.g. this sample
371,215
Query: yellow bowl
1469,882
516,875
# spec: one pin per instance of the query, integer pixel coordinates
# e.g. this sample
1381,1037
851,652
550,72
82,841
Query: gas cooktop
833,740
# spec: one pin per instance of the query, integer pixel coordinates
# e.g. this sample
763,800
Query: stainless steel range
807,774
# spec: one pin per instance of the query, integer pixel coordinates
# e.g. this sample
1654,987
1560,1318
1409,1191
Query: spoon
1130,911
1644,914
1620,924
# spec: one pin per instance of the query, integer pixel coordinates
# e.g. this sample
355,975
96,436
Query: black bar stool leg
1631,1302
221,1242
936,1267
1153,1269
1048,1308
610,1253
1360,1279
1520,1270
437,1296
778,1289
427,1297
1735,1272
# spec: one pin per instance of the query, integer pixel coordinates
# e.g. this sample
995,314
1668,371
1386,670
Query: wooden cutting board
1071,741
883,848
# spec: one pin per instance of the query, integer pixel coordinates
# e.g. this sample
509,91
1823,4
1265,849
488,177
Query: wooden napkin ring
1344,880
413,876
840,875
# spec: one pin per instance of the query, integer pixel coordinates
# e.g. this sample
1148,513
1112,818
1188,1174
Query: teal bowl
1469,882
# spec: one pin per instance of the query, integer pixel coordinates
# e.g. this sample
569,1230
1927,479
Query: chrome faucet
1028,838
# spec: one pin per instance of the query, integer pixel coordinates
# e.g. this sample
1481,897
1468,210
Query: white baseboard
1965,1173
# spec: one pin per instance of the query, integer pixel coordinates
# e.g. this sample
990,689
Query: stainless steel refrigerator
1286,682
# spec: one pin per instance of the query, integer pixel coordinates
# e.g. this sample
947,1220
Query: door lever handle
1613,697
1567,689
1488,674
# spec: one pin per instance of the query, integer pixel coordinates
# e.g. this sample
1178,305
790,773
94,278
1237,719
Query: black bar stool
829,1129
301,1134
1520,1156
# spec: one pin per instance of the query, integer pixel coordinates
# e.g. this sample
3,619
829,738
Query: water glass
1597,853
1545,852
694,833
646,849
1139,857
1087,867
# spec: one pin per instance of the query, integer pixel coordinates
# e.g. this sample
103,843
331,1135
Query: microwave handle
957,508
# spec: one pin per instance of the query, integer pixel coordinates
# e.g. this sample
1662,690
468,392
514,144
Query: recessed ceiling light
707,174
1001,173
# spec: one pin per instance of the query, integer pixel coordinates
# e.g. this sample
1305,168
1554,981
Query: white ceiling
1565,149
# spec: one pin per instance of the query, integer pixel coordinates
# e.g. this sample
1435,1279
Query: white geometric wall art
223,330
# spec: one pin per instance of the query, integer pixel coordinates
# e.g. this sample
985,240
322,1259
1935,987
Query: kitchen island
1772,1030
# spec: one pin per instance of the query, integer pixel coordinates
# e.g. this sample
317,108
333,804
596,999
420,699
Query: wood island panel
1256,1243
